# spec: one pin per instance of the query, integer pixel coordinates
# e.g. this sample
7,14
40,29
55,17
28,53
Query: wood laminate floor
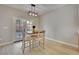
51,48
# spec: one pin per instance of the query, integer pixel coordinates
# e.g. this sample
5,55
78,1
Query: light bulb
35,15
28,22
30,13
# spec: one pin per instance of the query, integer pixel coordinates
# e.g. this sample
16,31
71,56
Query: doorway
22,25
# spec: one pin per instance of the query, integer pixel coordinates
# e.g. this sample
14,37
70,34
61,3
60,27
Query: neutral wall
7,22
61,24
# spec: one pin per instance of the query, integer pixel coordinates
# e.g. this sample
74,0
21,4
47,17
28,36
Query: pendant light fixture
32,12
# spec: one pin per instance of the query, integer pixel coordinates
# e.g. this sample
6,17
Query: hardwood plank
51,48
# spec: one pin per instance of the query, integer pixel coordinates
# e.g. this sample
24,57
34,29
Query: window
29,26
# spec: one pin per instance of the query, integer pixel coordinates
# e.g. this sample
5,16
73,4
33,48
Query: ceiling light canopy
32,12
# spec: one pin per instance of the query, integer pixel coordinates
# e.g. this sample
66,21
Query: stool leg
43,43
39,43
30,46
23,47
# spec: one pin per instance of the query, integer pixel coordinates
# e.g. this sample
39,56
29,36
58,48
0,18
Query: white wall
61,24
7,28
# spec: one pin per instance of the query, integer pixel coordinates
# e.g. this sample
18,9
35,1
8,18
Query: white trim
69,44
7,43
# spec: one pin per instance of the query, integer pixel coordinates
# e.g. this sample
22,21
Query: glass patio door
20,26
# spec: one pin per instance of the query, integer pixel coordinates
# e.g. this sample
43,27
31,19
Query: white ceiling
40,8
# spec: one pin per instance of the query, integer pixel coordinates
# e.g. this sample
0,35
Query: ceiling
40,8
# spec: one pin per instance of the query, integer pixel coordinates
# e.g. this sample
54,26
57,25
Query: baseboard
69,44
7,43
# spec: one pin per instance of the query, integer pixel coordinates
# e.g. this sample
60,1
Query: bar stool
26,42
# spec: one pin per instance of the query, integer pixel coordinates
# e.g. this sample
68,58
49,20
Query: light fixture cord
34,10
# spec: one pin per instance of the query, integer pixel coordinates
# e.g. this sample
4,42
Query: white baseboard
7,43
69,44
